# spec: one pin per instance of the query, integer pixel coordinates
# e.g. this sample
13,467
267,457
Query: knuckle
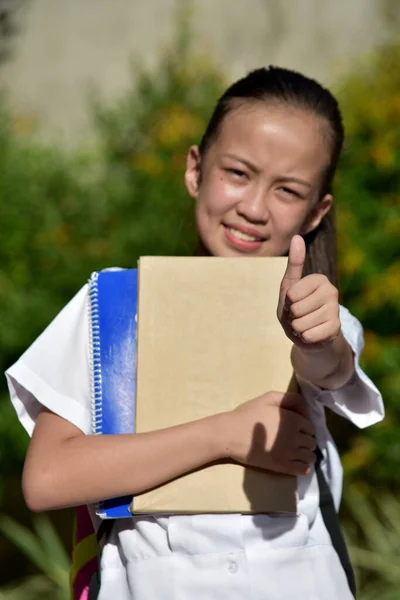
272,397
323,279
318,279
291,294
309,336
296,325
326,310
295,309
330,290
299,468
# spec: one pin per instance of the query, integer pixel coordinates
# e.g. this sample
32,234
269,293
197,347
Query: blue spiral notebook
183,334
113,312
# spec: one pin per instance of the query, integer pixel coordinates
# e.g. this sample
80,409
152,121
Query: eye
290,192
236,173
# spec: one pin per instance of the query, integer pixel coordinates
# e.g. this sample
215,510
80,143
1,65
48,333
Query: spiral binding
96,388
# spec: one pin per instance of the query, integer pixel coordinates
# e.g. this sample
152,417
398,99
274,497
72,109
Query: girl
261,180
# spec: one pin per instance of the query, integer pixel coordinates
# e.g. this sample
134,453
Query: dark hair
283,86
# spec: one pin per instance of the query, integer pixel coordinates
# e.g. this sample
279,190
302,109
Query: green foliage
43,549
373,532
369,245
64,215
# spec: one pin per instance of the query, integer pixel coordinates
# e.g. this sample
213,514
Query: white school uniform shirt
202,557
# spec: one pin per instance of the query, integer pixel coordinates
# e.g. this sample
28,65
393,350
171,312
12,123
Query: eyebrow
248,164
295,180
255,169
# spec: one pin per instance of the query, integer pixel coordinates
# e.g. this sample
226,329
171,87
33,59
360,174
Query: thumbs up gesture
308,307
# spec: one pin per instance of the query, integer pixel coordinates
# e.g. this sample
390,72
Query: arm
357,400
330,367
64,467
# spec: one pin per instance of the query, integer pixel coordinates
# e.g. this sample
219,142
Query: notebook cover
112,312
208,340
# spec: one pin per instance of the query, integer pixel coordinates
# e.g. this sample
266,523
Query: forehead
275,135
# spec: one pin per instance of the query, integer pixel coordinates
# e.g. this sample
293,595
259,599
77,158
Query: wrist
330,350
330,365
217,429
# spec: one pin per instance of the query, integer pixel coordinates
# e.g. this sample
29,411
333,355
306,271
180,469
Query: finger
305,426
294,402
316,318
313,284
296,467
308,442
309,304
305,456
326,332
295,263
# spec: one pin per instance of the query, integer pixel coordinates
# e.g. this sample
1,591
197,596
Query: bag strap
103,533
332,524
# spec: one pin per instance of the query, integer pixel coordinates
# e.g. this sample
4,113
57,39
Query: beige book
208,340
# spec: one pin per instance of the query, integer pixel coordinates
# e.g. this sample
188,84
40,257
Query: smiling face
260,180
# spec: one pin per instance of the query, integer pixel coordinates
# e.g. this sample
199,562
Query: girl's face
259,183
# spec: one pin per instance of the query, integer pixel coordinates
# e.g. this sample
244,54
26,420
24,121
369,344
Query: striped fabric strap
84,554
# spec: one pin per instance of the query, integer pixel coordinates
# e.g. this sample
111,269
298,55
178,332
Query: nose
254,207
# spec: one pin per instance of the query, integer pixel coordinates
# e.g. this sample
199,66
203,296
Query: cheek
217,196
289,218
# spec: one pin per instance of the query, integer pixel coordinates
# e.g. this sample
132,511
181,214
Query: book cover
112,321
208,340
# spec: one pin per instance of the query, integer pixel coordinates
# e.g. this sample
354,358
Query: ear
192,173
317,214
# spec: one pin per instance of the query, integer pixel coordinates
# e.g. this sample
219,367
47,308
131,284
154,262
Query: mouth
244,238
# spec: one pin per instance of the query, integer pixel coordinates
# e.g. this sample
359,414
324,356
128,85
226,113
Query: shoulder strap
83,560
101,537
332,524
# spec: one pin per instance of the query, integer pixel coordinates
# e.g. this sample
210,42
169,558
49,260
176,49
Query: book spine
96,387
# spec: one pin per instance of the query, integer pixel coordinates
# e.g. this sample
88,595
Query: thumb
295,403
294,267
295,263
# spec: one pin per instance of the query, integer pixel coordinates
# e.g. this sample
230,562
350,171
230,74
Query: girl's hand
271,432
308,307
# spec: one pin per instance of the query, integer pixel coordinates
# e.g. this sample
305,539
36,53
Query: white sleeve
359,400
54,371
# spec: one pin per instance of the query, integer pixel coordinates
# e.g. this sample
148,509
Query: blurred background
100,101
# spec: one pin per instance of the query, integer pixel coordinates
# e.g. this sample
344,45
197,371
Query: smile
240,235
243,241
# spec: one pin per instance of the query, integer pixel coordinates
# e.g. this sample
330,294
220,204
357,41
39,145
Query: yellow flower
23,124
394,106
175,125
351,260
148,163
385,288
383,155
57,236
359,455
392,225
372,347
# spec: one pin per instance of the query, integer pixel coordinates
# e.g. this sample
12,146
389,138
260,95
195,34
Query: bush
369,243
66,215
